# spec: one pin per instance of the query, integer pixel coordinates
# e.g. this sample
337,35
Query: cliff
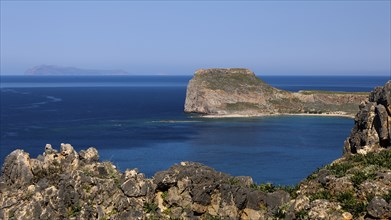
372,124
240,92
76,185
51,70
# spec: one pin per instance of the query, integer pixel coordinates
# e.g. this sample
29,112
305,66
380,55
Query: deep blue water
138,121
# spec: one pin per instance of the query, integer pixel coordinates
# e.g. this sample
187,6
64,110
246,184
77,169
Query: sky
177,38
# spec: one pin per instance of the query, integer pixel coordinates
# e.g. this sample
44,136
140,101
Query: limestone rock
72,185
379,208
323,209
300,203
276,199
135,184
89,155
372,126
256,199
381,124
16,169
49,149
251,214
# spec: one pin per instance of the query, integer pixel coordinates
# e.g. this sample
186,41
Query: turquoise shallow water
139,122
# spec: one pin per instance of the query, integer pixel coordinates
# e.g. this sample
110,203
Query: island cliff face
239,92
76,185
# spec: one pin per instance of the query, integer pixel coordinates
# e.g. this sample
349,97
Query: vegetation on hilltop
233,81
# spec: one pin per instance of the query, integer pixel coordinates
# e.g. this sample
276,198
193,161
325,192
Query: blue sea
138,122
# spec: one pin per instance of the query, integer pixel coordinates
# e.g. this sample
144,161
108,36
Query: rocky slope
240,92
71,185
76,185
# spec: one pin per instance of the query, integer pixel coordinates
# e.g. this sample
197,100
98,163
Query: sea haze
138,121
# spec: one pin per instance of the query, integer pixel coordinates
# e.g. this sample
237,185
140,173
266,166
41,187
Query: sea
138,122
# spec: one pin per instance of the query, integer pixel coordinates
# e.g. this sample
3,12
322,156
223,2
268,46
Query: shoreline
276,114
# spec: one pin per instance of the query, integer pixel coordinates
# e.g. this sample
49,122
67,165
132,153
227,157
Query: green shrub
233,181
349,203
269,188
210,217
322,194
387,197
164,195
340,169
74,211
381,159
360,176
314,175
150,207
265,187
302,214
279,214
292,190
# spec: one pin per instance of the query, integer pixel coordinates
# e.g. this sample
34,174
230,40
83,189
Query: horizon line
108,75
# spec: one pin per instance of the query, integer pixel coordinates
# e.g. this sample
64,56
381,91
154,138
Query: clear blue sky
283,37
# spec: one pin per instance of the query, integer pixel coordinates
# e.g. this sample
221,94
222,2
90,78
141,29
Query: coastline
276,114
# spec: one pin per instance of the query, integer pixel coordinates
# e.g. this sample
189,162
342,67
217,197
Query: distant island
52,70
237,92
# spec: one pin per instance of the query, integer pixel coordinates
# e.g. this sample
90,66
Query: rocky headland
66,184
238,92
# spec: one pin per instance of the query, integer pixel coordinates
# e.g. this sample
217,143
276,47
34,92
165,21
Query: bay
138,121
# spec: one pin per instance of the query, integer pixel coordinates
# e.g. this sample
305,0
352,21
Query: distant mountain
51,70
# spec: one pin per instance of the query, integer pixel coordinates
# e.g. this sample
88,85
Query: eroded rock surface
75,185
372,124
69,184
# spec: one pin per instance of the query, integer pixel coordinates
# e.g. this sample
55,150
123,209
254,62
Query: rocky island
67,184
238,92
52,70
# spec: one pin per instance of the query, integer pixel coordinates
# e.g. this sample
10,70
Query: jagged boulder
379,208
135,184
89,155
208,192
16,169
372,124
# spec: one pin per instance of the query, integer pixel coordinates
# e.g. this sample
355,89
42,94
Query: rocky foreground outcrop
73,185
239,92
372,124
76,185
